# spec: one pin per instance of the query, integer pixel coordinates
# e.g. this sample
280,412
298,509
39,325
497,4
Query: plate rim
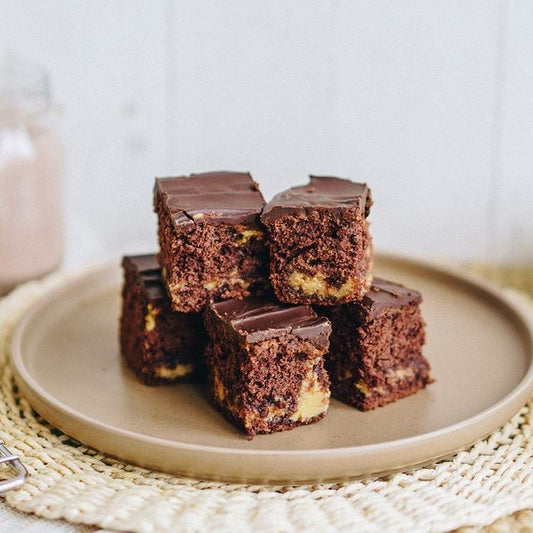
519,394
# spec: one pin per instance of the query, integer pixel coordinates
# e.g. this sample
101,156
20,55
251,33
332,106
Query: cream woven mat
491,480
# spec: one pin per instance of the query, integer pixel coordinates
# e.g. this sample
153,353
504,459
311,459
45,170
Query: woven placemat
492,479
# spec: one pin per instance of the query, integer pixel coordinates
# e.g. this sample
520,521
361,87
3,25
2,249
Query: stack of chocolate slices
274,304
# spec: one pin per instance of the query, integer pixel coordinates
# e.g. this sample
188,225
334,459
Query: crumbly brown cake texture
320,245
266,364
229,297
376,347
212,244
160,345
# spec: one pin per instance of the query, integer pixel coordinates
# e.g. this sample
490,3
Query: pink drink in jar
31,221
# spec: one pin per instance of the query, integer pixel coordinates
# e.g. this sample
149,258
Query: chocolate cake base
212,243
320,246
160,345
376,347
265,363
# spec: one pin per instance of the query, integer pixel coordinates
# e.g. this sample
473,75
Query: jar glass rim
23,85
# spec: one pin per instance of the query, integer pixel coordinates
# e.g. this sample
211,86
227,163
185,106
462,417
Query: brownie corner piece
320,245
266,364
212,244
159,345
376,347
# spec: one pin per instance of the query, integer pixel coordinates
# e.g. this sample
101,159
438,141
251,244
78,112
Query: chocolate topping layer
231,197
320,192
148,272
258,320
386,294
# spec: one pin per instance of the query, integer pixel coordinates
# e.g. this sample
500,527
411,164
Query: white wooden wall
430,102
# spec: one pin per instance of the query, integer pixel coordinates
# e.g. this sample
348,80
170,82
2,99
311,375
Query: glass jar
31,221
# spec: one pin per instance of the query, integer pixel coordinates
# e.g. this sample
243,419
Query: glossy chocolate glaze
148,273
226,197
387,294
321,192
260,319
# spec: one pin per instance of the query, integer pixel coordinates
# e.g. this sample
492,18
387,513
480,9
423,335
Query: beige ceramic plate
66,362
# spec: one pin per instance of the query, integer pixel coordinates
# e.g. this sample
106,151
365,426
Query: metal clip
13,462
